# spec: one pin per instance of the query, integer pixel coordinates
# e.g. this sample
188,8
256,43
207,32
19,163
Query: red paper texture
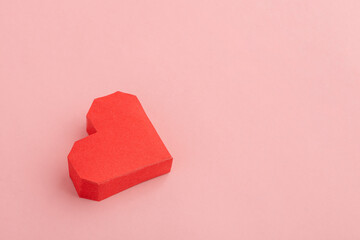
122,149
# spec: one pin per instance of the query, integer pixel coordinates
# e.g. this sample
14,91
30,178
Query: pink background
257,101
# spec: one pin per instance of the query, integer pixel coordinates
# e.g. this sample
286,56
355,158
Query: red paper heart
122,149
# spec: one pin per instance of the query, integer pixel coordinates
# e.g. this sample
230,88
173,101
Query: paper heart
122,149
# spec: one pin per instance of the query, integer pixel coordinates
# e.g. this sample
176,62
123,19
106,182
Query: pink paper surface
257,101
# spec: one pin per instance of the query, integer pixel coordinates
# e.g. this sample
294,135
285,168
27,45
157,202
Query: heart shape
123,148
